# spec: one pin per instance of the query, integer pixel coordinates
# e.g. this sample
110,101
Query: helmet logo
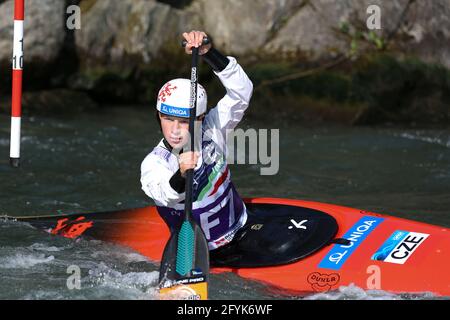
166,91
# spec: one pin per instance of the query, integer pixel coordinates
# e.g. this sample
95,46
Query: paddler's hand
187,160
194,39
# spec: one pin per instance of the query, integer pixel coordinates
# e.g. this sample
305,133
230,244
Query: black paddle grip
204,42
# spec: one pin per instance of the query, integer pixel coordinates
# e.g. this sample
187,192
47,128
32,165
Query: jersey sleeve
230,109
155,181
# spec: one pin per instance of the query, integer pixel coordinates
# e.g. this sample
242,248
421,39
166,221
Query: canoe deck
384,252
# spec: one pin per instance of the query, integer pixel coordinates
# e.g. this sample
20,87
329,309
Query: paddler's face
175,130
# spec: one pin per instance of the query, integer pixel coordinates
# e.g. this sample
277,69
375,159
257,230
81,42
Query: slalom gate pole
17,67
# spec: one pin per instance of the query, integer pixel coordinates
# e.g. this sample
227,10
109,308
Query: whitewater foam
43,247
443,141
139,285
353,292
20,260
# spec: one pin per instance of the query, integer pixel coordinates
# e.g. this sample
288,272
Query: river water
90,162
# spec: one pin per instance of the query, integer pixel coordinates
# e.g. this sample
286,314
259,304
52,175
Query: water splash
132,285
440,139
353,292
20,260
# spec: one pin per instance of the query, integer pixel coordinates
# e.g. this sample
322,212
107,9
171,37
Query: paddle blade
185,264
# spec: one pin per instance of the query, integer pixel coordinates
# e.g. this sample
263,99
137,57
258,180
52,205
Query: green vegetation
375,89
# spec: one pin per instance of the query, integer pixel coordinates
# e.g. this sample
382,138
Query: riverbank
344,72
376,89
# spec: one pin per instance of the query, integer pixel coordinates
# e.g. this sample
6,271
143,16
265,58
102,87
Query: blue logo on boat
337,256
197,272
174,111
389,245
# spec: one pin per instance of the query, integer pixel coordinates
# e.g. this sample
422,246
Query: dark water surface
91,162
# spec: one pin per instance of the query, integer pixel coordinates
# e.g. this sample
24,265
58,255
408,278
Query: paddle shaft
192,116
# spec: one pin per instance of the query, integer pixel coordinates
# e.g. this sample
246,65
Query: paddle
185,261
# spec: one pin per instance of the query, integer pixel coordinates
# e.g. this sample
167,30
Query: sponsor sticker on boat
400,246
339,253
323,282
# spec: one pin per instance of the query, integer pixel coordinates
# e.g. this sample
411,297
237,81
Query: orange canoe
372,251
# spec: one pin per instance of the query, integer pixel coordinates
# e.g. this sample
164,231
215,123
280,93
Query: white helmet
174,97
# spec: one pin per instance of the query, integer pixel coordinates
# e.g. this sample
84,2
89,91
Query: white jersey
216,205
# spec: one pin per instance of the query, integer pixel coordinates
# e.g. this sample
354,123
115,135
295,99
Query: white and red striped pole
17,67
